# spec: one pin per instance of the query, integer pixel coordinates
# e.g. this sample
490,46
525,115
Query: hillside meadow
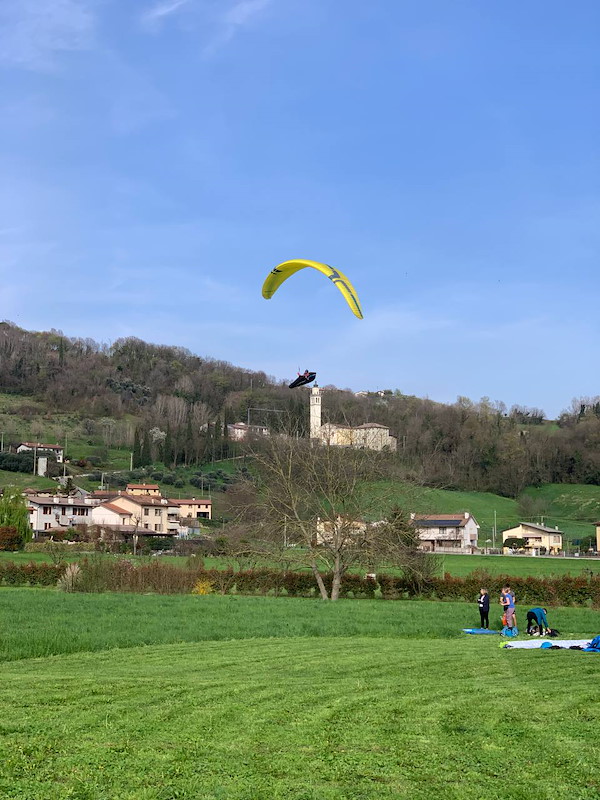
573,508
112,697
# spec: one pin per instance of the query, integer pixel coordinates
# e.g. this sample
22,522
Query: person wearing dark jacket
536,617
483,601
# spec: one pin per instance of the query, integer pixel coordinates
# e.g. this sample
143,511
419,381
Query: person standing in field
507,599
483,601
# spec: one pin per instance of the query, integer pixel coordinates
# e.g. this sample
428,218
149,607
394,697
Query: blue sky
159,157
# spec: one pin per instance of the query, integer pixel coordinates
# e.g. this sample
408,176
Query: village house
442,533
111,515
328,530
157,514
143,489
190,508
370,436
539,539
42,449
240,431
57,511
138,508
146,513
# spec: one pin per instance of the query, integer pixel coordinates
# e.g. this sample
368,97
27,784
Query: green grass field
24,480
567,503
517,565
111,697
454,564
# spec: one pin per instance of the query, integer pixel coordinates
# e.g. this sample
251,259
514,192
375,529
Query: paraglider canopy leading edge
283,271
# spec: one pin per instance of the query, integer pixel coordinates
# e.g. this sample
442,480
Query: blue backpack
509,631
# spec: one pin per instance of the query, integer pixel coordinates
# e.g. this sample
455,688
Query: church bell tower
315,412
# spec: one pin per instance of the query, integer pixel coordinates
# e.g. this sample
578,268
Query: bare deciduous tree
313,501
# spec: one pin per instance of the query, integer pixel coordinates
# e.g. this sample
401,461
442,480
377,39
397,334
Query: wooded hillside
174,407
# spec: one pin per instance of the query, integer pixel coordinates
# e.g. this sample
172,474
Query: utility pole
2,442
494,532
130,461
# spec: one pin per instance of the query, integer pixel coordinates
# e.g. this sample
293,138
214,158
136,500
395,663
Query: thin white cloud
34,32
244,11
233,20
153,17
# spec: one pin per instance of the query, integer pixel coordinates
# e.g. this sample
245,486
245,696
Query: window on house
146,512
157,527
47,525
146,526
157,512
46,509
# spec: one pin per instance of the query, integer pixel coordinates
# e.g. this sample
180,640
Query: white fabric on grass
537,644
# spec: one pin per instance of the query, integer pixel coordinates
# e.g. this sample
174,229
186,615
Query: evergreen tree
137,450
217,441
168,449
189,441
145,453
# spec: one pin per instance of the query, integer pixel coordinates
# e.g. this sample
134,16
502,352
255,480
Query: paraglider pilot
303,379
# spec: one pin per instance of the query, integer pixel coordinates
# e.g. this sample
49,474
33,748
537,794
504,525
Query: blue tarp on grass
478,630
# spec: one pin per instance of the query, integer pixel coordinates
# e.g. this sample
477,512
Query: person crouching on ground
507,599
483,601
536,618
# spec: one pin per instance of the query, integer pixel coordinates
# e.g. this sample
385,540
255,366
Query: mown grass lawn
35,623
302,719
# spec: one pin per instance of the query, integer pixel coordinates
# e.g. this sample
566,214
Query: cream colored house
147,513
598,537
239,431
370,436
111,514
143,489
536,537
330,532
457,533
189,507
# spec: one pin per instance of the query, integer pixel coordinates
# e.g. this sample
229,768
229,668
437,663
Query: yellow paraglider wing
283,271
